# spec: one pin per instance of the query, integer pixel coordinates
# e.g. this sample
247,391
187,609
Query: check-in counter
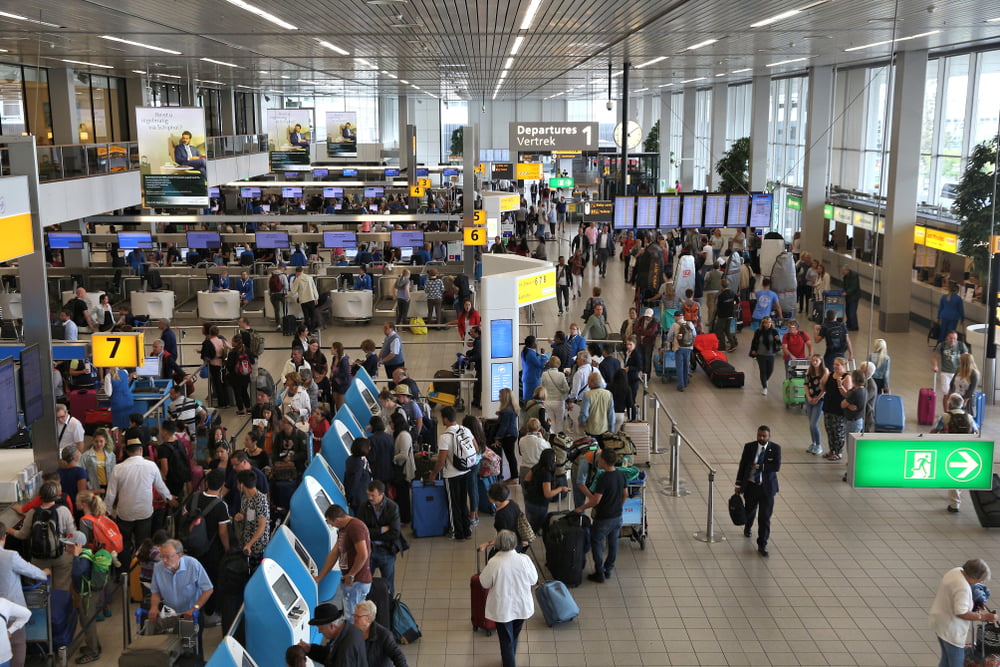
352,305
10,302
157,305
93,298
291,305
221,305
418,304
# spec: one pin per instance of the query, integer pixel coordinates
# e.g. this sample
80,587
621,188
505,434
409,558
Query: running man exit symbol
919,464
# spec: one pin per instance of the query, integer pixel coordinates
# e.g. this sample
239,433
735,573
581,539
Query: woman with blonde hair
965,382
880,358
507,431
93,508
556,390
99,461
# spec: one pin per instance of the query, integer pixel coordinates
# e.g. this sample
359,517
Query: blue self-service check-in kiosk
308,523
336,445
278,615
230,653
289,552
321,471
362,398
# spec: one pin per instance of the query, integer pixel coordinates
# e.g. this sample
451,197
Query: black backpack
836,337
194,531
44,538
179,466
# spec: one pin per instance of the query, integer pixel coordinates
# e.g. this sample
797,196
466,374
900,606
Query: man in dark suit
187,155
298,139
757,480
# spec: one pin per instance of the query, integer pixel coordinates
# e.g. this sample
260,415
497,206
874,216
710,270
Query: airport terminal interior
227,134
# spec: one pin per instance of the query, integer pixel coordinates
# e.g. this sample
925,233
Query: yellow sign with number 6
474,236
122,350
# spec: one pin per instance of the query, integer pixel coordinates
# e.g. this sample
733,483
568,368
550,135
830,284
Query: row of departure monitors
691,211
294,192
30,393
212,240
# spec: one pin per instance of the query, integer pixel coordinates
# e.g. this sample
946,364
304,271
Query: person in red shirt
796,343
37,500
468,318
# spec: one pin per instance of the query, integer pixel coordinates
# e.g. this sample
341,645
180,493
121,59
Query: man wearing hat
131,485
414,416
647,331
345,645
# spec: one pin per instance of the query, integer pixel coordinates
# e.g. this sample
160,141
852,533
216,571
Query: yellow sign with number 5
122,350
475,236
479,218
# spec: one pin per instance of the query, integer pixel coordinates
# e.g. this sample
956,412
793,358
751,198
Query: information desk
10,302
278,617
93,299
230,653
308,522
222,305
157,305
352,305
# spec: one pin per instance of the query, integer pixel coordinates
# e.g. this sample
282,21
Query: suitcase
927,404
979,409
793,391
745,312
95,419
424,463
81,401
288,325
430,509
478,598
567,539
151,651
889,414
987,504
446,393
380,594
556,602
485,506
723,375
665,364
641,435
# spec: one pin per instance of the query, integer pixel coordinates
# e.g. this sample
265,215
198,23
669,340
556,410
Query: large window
246,113
786,130
100,108
672,172
738,99
454,115
860,133
24,103
702,123
210,99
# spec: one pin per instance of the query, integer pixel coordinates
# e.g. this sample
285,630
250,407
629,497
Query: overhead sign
424,183
939,240
863,220
529,171
341,134
560,183
907,462
416,191
15,218
598,211
503,171
793,203
121,350
474,236
510,203
479,217
843,215
828,211
919,234
538,287
480,168
289,133
553,136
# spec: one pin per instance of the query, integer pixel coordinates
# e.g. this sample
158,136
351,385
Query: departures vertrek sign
527,137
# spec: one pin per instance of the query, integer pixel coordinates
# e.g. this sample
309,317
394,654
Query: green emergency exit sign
879,460
560,183
828,211
793,203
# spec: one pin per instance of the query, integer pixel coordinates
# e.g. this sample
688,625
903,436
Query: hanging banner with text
542,137
172,158
289,133
341,134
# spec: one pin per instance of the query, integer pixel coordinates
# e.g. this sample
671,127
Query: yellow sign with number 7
122,350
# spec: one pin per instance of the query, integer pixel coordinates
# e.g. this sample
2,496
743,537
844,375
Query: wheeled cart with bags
634,523
38,630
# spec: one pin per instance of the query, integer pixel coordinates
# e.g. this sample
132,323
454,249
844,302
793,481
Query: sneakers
596,578
763,392
952,509
474,522
815,449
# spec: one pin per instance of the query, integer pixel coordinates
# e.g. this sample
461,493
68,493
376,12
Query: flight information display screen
65,240
692,210
715,211
761,206
670,212
333,193
291,193
501,339
624,212
204,240
135,240
340,240
391,173
249,193
374,192
407,239
8,400
272,240
739,210
31,384
645,217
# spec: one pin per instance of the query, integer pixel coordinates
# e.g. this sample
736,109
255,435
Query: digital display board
249,193
501,339
340,240
645,217
739,211
291,174
407,239
760,210
374,192
333,193
349,172
503,171
624,212
204,240
670,212
423,172
291,193
450,171
715,210
692,210
321,173
501,377
214,192
135,240
65,240
391,173
31,384
273,240
599,211
8,400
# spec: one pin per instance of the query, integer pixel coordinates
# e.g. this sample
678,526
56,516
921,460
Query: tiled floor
848,582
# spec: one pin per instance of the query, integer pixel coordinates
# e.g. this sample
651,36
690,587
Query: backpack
153,280
243,366
102,532
274,285
193,530
690,310
836,337
100,570
404,627
685,337
257,343
463,454
43,541
179,465
960,422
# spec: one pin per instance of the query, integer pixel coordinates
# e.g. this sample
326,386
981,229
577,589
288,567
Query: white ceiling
458,48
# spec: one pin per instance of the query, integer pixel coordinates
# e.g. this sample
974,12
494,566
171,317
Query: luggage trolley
185,630
634,511
38,630
833,300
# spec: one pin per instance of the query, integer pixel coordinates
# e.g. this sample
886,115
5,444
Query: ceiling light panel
221,62
892,41
516,46
651,62
267,16
327,45
529,15
140,45
83,62
707,42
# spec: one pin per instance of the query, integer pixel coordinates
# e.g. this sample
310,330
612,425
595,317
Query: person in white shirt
530,446
508,576
130,494
69,430
296,363
578,386
455,443
296,399
304,289
70,330
951,612
14,618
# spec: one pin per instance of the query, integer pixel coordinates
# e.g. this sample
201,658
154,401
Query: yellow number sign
479,218
416,191
424,182
536,288
480,168
124,350
474,236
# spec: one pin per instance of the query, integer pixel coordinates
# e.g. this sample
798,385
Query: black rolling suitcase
289,325
567,539
380,594
987,504
724,375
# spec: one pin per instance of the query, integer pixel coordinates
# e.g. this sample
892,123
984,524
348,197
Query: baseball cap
76,537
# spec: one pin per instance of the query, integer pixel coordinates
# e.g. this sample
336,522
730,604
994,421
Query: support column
470,186
403,116
687,139
135,96
227,117
760,103
35,305
623,171
720,108
62,97
819,132
901,210
666,120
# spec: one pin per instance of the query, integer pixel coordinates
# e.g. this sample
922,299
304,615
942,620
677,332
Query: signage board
553,136
15,219
416,191
539,287
479,217
843,215
173,165
598,211
864,220
944,241
510,202
828,211
793,203
474,236
528,171
502,171
908,461
557,183
424,183
919,233
341,134
121,350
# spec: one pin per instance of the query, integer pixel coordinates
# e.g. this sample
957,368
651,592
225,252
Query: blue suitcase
979,409
485,505
889,415
430,509
557,603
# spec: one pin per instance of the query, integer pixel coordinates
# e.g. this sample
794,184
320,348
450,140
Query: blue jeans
683,366
602,529
855,425
508,634
350,596
814,412
951,655
386,562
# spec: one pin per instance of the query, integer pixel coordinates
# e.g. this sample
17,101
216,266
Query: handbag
737,510
203,372
490,465
525,533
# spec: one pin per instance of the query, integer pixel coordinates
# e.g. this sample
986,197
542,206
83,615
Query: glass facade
738,98
24,103
673,172
702,125
786,134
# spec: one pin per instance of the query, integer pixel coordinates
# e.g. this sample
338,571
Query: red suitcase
927,404
745,313
95,419
81,401
479,620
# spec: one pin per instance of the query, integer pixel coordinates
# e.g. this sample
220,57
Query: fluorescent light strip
267,16
616,75
307,81
25,18
665,85
789,62
774,19
138,71
238,85
701,44
996,20
83,62
516,46
330,46
700,78
651,62
641,90
140,44
168,76
391,75
217,83
529,15
892,41
509,63
741,71
220,62
404,81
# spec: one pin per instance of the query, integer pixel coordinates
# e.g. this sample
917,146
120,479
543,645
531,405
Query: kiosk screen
373,405
285,592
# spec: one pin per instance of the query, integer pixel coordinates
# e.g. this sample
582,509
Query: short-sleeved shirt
533,492
611,486
69,478
506,517
174,479
949,356
218,514
796,344
180,590
767,301
347,537
252,509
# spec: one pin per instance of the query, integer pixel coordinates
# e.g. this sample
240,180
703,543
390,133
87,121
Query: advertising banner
341,134
289,133
172,157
